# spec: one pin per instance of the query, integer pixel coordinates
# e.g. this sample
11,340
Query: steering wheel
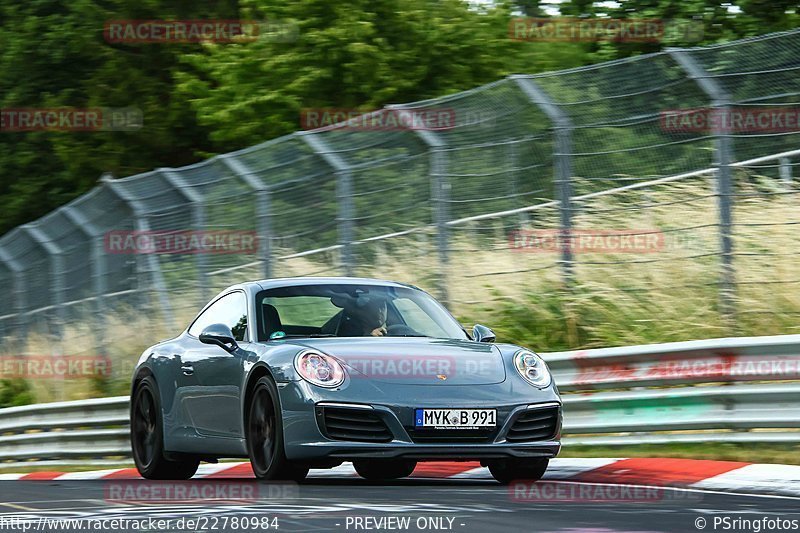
401,330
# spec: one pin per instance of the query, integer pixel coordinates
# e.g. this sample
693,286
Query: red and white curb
724,476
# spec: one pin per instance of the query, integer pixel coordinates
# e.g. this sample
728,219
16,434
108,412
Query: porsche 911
304,373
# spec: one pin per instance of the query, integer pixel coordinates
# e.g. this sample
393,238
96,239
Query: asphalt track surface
336,504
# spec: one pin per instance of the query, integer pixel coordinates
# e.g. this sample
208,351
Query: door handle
188,370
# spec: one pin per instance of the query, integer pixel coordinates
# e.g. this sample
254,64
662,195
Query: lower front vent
534,425
358,425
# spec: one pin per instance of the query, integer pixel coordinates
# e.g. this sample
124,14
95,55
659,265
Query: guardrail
719,390
741,389
679,363
66,432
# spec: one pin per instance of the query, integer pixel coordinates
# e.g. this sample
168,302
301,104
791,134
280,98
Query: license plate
455,418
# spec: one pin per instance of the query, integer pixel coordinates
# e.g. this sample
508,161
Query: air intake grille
534,425
454,436
361,425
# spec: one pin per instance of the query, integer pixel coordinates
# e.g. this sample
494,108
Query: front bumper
305,440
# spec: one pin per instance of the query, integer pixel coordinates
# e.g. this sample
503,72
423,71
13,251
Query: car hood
415,361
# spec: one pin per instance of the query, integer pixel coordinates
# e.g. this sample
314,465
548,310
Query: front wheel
265,436
376,470
147,437
510,470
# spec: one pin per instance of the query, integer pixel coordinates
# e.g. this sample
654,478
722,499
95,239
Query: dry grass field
667,294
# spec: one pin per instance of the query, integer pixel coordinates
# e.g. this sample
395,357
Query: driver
364,317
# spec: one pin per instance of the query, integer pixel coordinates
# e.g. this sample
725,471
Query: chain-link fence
611,178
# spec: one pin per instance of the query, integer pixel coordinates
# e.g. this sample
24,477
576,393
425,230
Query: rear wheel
147,437
384,469
265,436
510,470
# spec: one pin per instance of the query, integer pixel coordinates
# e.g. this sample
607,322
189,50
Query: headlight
320,369
533,368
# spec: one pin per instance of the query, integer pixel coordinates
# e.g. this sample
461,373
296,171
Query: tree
53,54
198,100
361,54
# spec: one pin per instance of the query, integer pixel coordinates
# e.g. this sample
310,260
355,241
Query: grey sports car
304,373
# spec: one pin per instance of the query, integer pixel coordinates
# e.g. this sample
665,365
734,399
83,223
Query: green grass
612,299
56,468
788,454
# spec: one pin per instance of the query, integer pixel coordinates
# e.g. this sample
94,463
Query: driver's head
371,312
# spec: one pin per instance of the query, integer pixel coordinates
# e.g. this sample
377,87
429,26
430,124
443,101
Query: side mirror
481,333
220,335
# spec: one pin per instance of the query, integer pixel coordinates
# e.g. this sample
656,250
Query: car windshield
347,310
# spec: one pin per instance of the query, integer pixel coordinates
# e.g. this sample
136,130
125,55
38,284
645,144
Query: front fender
277,358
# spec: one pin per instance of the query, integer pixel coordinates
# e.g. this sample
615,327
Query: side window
230,310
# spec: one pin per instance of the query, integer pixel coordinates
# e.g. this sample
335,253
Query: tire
518,469
376,470
265,436
147,437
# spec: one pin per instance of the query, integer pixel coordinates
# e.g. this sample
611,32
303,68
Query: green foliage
361,54
15,392
198,100
53,54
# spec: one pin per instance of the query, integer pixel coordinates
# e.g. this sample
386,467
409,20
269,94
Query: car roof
311,280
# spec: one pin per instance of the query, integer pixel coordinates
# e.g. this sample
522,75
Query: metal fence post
513,159
263,209
19,293
344,196
440,185
785,171
723,158
55,254
562,155
440,196
198,223
153,269
99,269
